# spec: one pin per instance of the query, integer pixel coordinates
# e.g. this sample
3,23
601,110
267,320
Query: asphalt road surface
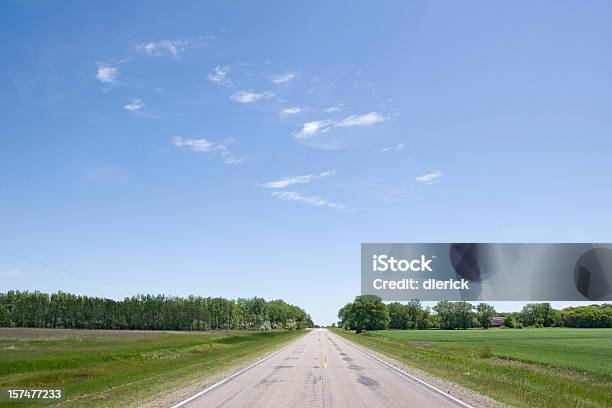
321,370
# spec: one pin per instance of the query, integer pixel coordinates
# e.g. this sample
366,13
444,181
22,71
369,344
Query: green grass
524,368
115,368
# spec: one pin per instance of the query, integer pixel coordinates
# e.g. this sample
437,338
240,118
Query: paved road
321,370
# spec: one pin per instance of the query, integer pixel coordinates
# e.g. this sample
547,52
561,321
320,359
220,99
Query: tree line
147,312
368,312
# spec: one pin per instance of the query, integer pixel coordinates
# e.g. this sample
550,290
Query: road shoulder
181,393
464,394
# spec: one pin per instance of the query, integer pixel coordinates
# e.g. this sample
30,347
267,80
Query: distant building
497,321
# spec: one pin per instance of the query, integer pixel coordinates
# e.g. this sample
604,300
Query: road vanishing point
322,369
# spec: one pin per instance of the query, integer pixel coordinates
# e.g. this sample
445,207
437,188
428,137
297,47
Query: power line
58,269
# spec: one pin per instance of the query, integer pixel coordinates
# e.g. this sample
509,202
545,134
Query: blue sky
241,149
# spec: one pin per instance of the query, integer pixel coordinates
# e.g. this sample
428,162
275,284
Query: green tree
537,314
588,316
146,312
454,315
5,316
485,313
398,316
367,312
344,314
424,320
444,314
462,312
414,311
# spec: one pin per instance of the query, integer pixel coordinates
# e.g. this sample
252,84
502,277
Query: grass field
116,368
524,368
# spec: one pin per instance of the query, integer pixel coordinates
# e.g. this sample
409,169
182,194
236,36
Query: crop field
118,368
552,367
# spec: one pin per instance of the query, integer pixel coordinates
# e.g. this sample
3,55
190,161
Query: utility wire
62,270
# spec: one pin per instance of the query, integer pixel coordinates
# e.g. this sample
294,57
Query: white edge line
412,377
227,379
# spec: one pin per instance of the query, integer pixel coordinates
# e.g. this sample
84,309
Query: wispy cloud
172,47
219,151
219,75
107,73
165,47
290,111
288,181
283,78
430,178
309,129
367,119
331,109
310,200
398,147
250,96
134,105
11,272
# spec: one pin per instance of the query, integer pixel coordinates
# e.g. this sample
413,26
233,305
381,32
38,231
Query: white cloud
250,96
366,119
310,200
312,128
398,147
107,73
228,159
215,150
219,75
331,109
11,272
430,178
172,48
135,105
283,78
290,111
288,181
197,145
